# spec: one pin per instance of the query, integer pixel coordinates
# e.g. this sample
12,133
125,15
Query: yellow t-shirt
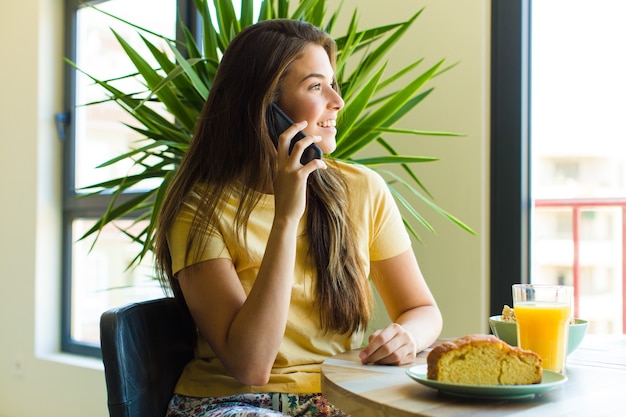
380,235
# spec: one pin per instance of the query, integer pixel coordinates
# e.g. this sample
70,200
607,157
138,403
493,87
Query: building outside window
579,154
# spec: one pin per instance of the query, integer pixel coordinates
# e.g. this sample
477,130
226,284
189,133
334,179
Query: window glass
579,155
100,130
102,279
97,276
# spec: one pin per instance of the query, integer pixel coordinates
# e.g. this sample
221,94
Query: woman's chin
327,146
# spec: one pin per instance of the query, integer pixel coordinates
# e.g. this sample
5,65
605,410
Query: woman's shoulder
359,175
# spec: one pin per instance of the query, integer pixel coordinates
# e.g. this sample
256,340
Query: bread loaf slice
483,360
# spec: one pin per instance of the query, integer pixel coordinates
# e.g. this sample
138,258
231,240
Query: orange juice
542,328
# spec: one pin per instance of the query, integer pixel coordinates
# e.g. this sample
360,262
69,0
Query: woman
272,257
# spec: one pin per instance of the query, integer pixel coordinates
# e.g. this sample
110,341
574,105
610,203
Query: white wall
34,378
455,263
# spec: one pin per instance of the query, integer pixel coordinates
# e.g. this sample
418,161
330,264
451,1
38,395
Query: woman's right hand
246,330
291,176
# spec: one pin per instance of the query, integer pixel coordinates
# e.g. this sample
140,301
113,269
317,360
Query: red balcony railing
577,205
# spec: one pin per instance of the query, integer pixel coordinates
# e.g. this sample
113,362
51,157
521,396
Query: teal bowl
507,331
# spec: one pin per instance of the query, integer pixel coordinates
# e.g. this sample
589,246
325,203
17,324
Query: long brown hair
231,146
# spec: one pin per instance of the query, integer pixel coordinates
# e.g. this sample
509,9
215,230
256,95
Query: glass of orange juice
543,314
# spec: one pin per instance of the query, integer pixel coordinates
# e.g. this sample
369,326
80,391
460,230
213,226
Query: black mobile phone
279,122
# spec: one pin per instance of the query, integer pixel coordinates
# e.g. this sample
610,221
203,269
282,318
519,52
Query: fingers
299,145
285,138
290,180
389,346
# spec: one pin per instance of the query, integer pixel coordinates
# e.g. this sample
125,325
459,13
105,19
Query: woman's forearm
424,324
258,328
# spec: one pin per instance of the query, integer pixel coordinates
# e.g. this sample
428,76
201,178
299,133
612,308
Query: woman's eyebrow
315,75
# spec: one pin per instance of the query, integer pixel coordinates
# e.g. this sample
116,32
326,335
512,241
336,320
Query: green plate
550,380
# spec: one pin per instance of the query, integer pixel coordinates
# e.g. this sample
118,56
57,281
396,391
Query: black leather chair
144,349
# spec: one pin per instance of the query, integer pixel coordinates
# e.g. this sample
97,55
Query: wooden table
596,387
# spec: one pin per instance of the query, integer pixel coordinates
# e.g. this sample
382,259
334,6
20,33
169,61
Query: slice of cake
483,360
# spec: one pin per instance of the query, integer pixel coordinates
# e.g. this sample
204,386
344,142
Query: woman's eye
319,86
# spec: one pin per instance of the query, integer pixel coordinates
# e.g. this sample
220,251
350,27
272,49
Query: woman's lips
328,123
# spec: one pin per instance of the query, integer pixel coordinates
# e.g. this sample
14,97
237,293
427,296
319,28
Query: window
558,195
576,129
96,278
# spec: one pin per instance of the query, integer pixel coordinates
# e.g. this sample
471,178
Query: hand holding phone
279,122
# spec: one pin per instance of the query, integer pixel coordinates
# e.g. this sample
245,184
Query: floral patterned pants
254,405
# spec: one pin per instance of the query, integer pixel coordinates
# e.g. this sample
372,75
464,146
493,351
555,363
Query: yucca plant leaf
416,132
191,46
205,67
189,95
115,212
430,203
371,35
122,184
354,108
171,147
153,223
330,24
406,108
154,121
411,230
394,159
265,12
159,138
409,207
283,9
400,74
226,20
198,84
176,89
186,89
352,41
372,59
311,11
142,114
380,116
153,79
316,14
405,167
137,239
247,13
209,33
129,23
368,36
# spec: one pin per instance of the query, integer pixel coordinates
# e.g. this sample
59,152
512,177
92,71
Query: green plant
181,85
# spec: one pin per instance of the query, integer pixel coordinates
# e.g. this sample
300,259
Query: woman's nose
336,102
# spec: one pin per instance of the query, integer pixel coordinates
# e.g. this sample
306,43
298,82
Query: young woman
273,257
